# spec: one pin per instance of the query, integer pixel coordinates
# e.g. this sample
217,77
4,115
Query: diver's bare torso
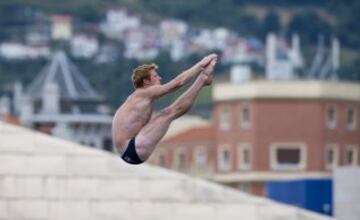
131,117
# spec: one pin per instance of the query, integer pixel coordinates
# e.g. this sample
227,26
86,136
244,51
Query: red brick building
191,151
272,130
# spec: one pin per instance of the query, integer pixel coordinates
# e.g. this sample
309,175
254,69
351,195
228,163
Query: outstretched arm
182,78
190,73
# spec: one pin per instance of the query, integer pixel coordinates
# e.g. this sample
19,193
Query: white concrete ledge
287,89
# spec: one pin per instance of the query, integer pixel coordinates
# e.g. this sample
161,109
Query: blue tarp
310,194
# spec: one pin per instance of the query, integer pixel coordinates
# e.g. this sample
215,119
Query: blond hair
142,72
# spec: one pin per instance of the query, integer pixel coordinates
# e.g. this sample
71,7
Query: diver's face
155,79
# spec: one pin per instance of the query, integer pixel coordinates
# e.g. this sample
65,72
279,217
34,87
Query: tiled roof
192,134
184,123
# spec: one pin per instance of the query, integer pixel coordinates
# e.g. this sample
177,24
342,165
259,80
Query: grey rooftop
71,83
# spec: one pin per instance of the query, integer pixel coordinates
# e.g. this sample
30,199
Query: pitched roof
192,134
43,177
184,123
72,84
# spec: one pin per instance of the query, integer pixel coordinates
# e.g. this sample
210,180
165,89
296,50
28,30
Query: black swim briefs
130,155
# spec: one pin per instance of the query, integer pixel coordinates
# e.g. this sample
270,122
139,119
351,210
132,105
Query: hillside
247,18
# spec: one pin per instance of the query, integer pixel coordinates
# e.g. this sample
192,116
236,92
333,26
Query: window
224,158
244,116
161,161
107,144
331,156
244,157
351,119
351,155
180,159
245,187
200,157
225,118
288,156
331,117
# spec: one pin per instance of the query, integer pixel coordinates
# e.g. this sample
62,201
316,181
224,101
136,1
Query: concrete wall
45,178
347,193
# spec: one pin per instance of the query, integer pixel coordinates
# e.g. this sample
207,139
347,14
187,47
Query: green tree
309,25
348,27
270,23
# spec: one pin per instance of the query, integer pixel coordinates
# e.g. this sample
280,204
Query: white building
240,73
172,35
37,36
61,102
117,22
84,46
237,50
221,35
19,51
178,49
141,43
281,60
172,30
61,27
204,39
